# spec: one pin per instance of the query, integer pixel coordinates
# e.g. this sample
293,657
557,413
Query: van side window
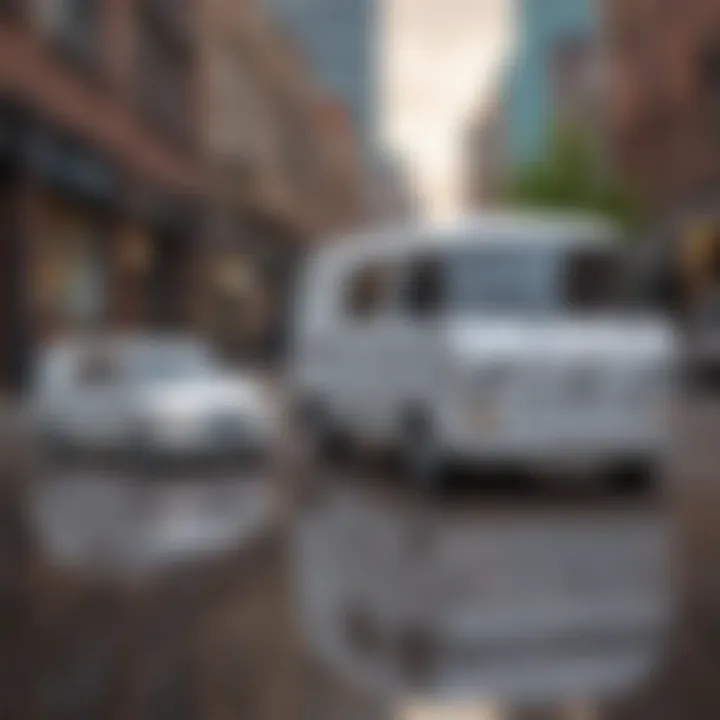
424,293
368,291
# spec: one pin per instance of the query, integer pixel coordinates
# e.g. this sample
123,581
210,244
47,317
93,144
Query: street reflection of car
503,339
149,398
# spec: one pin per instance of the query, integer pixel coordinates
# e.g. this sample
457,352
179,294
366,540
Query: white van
503,338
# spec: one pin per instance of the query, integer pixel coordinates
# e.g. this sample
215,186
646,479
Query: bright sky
440,59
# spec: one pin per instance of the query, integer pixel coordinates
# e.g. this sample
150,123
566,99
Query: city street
246,245
486,561
371,556
658,549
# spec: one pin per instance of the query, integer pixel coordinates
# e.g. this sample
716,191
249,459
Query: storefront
84,244
163,258
76,203
71,277
235,312
681,259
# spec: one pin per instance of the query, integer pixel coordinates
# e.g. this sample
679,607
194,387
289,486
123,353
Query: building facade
665,98
554,78
339,40
487,166
553,73
99,169
390,196
665,122
281,167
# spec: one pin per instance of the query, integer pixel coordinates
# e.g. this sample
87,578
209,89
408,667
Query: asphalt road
361,535
678,527
484,552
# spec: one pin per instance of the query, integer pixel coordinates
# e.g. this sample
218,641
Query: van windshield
535,280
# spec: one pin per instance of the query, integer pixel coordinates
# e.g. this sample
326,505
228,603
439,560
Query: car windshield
535,280
172,362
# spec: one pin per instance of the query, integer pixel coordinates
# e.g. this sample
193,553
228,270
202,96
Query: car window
54,372
425,287
98,368
368,292
171,362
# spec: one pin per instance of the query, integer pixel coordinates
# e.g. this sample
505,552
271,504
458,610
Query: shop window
72,275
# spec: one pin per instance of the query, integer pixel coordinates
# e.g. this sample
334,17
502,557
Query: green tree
573,176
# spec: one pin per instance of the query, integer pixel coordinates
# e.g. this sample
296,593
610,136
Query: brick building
282,167
99,168
665,97
664,86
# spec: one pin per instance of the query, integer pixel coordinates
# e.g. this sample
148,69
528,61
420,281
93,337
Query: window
98,369
368,292
709,77
425,290
75,25
165,73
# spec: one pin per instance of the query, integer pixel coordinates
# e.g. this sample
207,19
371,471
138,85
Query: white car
151,397
502,338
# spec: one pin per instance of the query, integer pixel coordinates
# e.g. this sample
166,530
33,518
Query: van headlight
488,380
652,381
652,388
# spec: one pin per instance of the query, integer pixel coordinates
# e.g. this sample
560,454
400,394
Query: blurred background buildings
665,97
166,164
139,136
339,41
100,168
553,77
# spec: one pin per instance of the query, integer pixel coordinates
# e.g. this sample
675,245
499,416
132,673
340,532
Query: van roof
486,228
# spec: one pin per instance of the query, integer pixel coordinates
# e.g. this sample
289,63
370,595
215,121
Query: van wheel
422,460
634,478
326,442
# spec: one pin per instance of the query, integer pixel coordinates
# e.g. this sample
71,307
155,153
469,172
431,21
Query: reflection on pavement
525,606
116,525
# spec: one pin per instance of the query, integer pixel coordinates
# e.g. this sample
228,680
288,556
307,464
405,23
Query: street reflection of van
503,338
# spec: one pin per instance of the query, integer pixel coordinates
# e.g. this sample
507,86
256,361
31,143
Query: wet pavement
530,598
108,523
478,554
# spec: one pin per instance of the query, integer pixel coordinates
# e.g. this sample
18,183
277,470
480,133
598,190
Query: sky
439,60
